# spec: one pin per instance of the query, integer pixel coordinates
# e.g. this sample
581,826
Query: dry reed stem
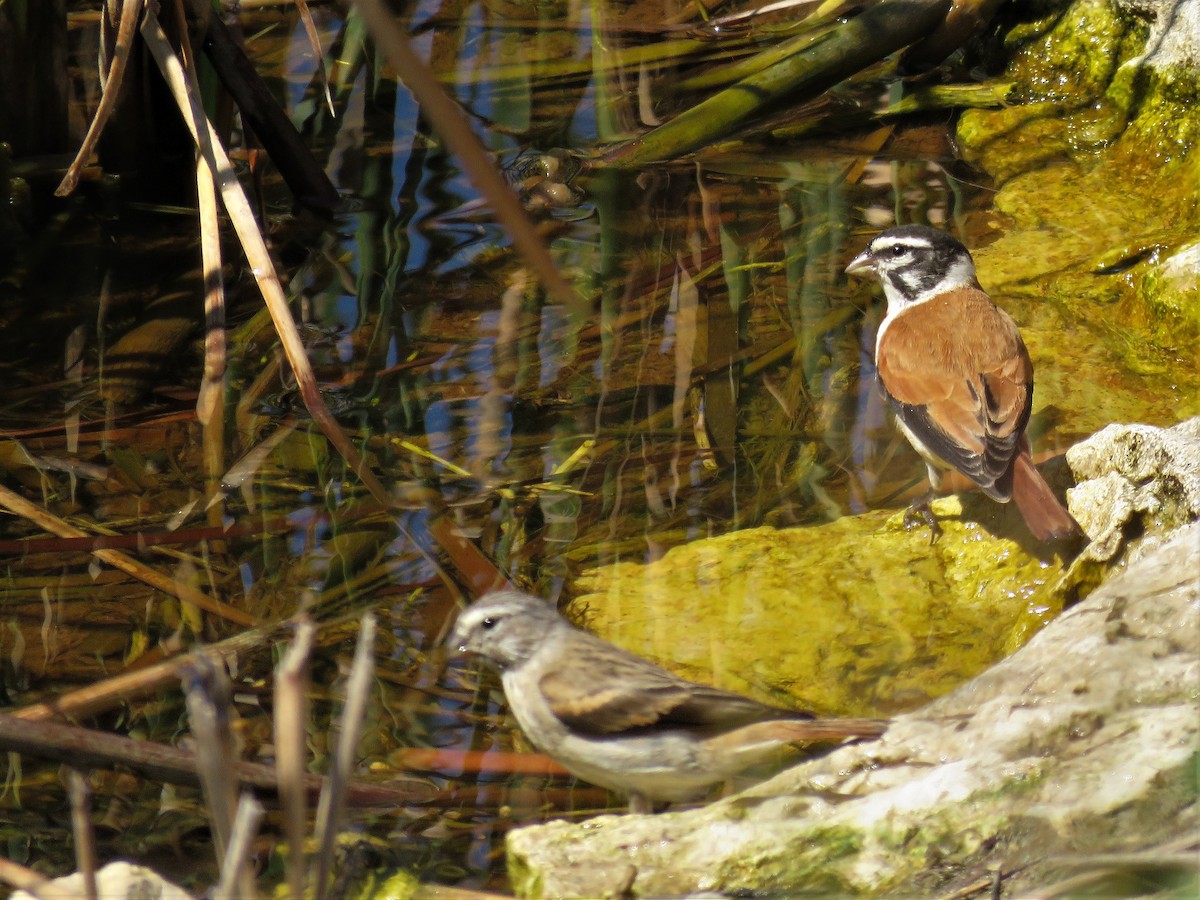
81,828
49,522
333,798
131,10
291,722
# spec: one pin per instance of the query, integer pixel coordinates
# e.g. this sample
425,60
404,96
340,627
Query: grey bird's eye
488,624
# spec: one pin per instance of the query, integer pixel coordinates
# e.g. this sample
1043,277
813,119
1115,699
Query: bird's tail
1046,517
737,750
803,731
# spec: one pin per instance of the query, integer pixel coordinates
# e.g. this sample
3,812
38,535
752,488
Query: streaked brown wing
608,691
966,397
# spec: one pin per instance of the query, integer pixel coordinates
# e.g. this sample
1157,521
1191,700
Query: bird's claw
920,514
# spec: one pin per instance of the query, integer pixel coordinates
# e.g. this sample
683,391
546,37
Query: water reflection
712,374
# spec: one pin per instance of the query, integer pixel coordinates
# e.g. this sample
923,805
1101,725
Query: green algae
856,617
814,861
1100,197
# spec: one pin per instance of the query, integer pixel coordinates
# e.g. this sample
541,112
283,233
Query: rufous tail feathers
1046,517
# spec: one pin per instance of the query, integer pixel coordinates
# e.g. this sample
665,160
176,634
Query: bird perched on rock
957,375
619,721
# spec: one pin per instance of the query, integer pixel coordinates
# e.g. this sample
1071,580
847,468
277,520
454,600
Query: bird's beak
864,262
457,642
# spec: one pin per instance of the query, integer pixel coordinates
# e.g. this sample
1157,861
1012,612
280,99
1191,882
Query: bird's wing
967,398
609,691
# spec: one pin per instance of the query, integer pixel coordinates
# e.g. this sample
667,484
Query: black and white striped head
505,627
914,263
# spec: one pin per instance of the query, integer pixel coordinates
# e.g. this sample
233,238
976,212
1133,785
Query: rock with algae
856,617
1100,168
1084,741
1135,479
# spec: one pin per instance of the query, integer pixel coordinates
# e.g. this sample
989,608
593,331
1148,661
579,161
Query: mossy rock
856,617
1099,174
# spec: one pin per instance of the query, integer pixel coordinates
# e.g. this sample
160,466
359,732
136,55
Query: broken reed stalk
81,829
237,877
210,709
333,797
291,723
878,31
210,404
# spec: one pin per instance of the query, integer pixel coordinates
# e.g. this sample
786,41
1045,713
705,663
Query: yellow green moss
1100,175
856,617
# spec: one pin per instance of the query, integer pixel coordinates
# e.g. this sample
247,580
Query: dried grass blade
52,523
333,797
314,40
130,11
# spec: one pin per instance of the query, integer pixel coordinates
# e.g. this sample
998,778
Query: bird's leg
640,805
920,513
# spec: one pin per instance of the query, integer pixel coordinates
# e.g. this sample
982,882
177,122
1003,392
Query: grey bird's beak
457,642
861,264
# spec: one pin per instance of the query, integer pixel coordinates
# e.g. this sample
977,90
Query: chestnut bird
956,372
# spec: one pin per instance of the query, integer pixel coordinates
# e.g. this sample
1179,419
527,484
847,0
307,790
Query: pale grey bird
619,721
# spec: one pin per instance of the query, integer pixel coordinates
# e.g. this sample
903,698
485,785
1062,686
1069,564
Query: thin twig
104,695
332,802
52,523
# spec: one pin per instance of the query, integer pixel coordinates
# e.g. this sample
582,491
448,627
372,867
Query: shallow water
713,373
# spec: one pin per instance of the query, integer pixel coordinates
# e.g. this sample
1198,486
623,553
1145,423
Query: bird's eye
898,250
488,624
